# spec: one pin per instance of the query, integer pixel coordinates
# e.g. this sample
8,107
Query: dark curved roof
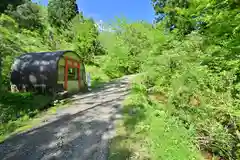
43,55
29,61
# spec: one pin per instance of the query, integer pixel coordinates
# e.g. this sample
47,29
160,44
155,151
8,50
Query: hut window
72,74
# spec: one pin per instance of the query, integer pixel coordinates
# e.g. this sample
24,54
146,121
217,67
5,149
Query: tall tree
14,3
60,12
168,7
172,11
86,38
28,15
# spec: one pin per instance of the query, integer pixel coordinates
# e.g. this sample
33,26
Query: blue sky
107,10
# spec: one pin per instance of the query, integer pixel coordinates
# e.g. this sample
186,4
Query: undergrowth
148,131
198,83
17,109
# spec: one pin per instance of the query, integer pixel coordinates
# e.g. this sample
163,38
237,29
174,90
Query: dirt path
78,132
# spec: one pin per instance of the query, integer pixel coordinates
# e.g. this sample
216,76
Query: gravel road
79,132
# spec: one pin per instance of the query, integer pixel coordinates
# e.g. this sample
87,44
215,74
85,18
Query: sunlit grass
147,132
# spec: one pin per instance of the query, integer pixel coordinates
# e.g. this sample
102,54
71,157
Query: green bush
129,48
16,105
195,75
197,95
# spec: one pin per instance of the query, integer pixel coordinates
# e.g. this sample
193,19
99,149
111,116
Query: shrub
197,95
16,105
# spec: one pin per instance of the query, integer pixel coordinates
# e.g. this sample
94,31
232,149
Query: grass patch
128,145
170,140
120,147
147,131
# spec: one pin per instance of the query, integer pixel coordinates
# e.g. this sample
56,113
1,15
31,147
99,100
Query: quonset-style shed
55,71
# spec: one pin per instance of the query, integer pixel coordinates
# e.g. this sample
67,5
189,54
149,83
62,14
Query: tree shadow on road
82,135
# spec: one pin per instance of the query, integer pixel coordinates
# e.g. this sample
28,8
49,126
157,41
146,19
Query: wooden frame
71,63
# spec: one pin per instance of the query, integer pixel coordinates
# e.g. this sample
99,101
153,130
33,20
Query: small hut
49,71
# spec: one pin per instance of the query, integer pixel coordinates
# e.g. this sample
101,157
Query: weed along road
80,131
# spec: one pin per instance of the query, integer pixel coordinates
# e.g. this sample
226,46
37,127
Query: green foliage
60,12
13,43
149,132
8,44
170,140
13,3
200,96
85,38
27,16
180,69
19,107
129,47
172,11
16,105
16,110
